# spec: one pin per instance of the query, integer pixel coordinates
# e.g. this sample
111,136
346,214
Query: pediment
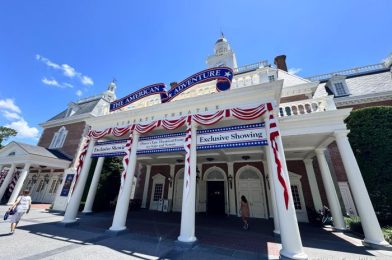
12,149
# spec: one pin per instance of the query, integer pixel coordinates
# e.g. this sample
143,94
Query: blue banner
223,75
141,93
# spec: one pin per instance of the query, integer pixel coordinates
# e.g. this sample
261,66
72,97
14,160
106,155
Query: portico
276,192
30,167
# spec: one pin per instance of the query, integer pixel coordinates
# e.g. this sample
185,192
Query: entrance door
215,198
252,187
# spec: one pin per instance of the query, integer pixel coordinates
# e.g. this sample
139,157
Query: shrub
371,139
388,234
354,224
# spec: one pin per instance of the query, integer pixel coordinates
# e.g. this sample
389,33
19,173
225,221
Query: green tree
371,139
109,183
5,133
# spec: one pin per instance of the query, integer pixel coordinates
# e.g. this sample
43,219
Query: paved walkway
152,235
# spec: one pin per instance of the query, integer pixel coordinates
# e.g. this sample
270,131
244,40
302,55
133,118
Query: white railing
349,72
250,67
308,106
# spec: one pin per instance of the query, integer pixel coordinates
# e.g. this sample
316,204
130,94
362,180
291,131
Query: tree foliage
5,133
371,139
109,183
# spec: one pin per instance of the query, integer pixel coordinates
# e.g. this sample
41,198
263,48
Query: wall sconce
46,178
197,174
34,178
170,179
268,184
230,178
60,178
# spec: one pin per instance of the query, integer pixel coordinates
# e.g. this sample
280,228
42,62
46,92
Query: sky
55,52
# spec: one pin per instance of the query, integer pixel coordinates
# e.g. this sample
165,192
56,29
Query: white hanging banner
208,139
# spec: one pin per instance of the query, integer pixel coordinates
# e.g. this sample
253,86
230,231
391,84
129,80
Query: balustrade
307,106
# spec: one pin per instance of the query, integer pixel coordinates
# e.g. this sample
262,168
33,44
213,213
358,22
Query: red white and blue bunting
273,136
202,119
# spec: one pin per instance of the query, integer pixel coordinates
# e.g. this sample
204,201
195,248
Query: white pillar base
187,239
287,255
117,229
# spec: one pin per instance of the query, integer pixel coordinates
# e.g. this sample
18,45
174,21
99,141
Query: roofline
68,120
362,99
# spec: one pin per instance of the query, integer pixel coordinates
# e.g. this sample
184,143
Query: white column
370,225
187,233
267,170
88,207
73,206
19,184
318,205
121,212
146,183
230,171
7,180
170,195
289,231
332,196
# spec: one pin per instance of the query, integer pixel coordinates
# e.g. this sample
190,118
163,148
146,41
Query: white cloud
9,104
23,129
87,80
11,115
50,82
79,93
67,85
294,70
66,69
69,71
53,82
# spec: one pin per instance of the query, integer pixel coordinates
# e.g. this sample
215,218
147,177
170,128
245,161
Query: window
271,78
296,199
340,90
158,191
59,138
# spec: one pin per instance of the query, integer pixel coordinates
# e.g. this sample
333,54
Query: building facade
276,138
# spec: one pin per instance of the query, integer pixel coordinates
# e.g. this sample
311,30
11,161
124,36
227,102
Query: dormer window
59,138
337,86
340,90
271,78
11,154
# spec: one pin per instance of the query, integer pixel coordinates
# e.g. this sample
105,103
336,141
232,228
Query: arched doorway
215,189
250,183
178,186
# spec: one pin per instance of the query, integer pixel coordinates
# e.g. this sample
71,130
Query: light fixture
46,178
230,178
34,178
210,159
245,157
197,174
268,184
170,181
180,160
60,178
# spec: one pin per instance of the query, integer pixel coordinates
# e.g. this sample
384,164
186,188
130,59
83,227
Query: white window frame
59,138
338,79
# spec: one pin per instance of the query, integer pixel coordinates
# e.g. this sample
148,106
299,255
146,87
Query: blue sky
54,52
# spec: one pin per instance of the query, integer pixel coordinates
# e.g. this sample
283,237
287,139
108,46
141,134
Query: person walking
22,205
245,211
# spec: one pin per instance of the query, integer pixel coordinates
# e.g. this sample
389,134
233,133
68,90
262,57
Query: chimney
280,62
173,84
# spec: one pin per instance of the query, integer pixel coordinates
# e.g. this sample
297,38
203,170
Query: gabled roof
84,107
39,150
